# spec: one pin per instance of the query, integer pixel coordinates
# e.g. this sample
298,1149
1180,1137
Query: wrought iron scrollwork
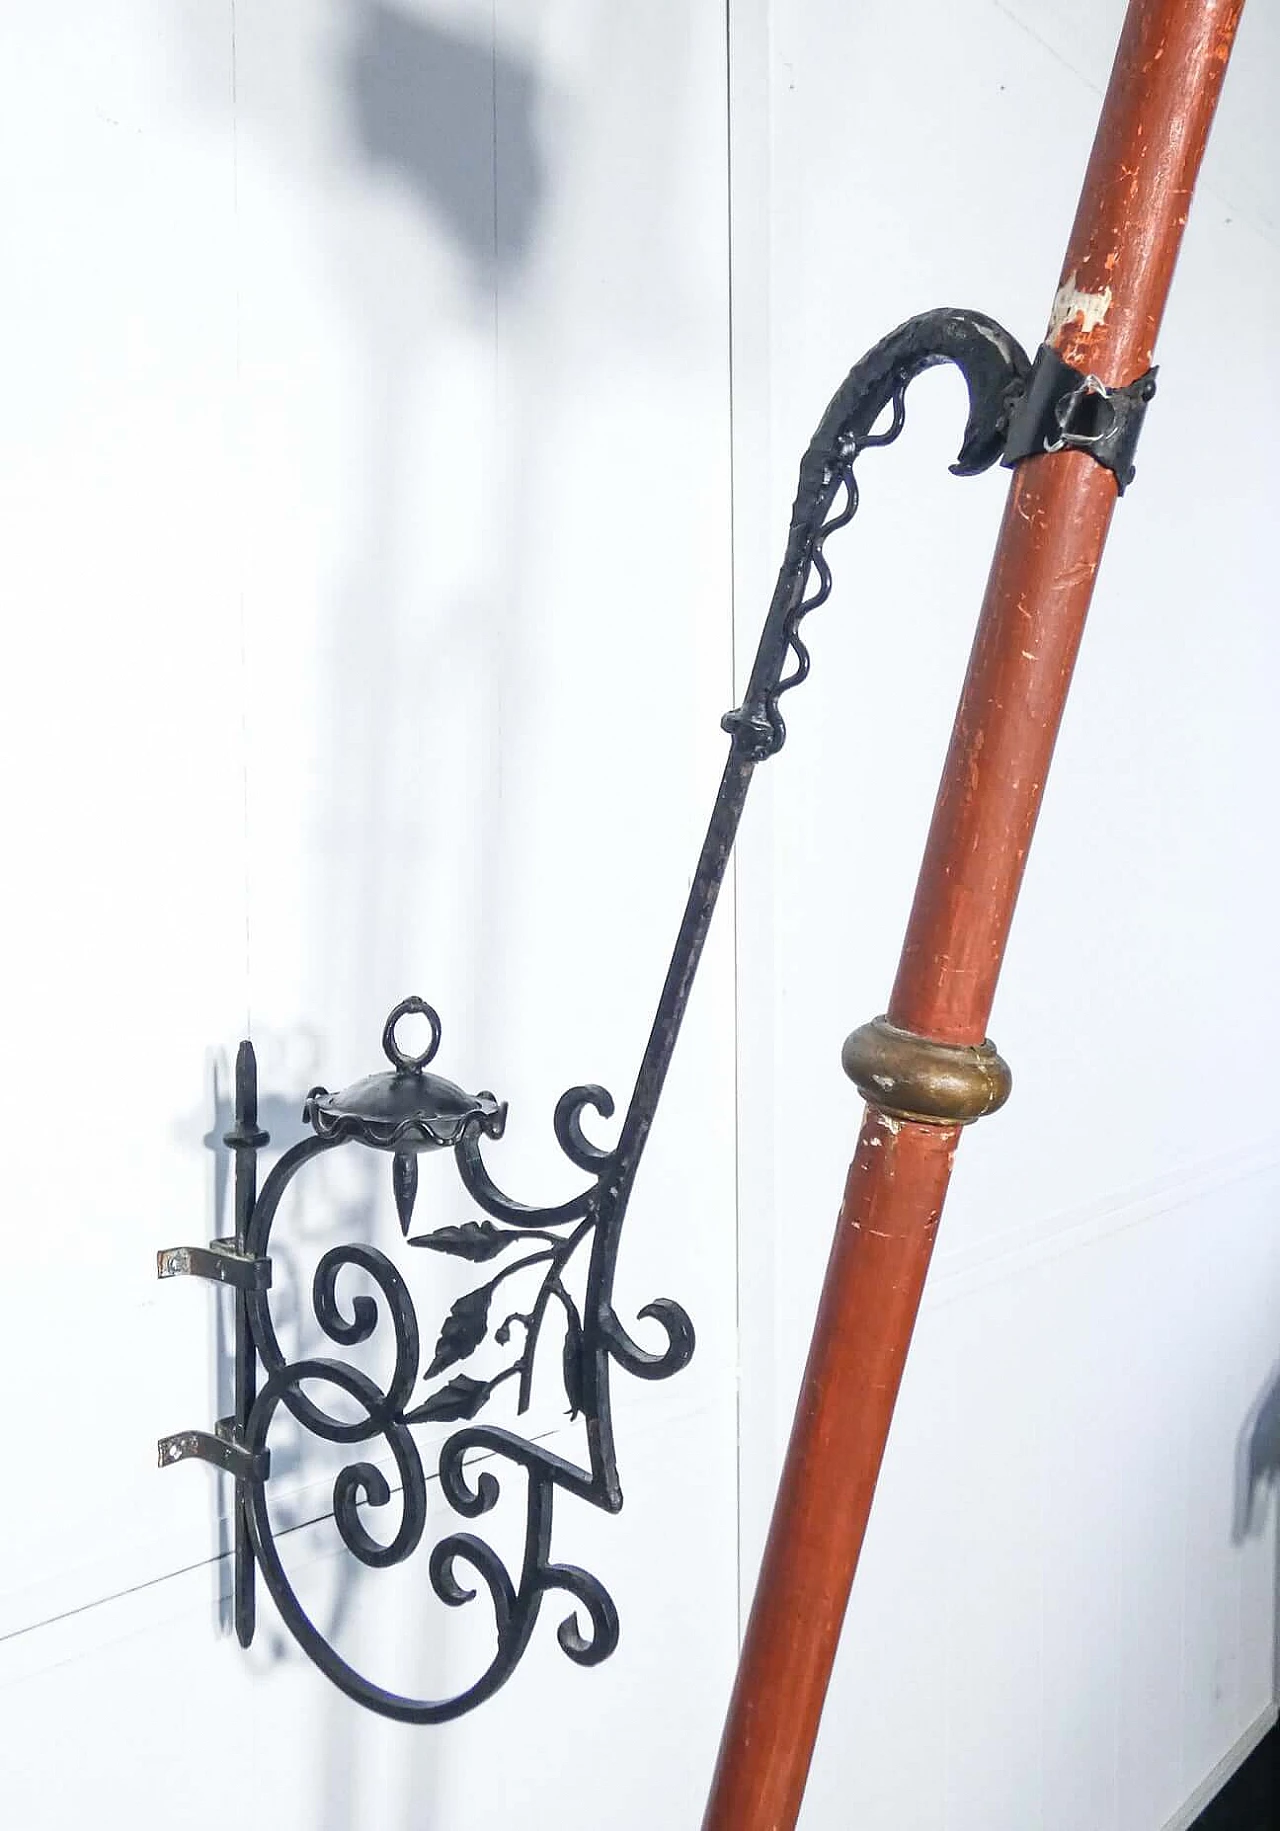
410,1112
516,1239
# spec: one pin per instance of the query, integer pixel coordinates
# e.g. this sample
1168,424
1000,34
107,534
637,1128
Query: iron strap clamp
1017,410
1063,409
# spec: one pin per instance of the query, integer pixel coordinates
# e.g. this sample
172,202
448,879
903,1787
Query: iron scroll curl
411,1111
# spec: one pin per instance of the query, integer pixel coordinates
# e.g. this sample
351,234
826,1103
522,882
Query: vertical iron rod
246,1140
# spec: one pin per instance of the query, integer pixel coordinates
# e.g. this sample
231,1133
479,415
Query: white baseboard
1231,1762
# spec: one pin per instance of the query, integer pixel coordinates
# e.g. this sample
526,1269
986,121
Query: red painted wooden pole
1115,280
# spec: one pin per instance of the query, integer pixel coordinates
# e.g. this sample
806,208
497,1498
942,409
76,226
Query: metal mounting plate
218,1447
219,1261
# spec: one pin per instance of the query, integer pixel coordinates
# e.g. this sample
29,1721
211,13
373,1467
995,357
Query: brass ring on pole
912,1077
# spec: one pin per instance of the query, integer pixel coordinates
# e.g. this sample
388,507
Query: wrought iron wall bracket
564,1253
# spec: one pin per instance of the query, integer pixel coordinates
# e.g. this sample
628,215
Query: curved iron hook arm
995,368
517,1236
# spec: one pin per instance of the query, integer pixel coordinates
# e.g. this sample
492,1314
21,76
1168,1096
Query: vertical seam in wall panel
493,167
748,166
238,500
733,884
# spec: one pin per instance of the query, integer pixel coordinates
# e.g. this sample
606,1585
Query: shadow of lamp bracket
409,1111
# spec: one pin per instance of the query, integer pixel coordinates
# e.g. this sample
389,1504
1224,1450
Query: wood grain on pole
1114,283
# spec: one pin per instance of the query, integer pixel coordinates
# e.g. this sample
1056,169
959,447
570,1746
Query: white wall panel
117,1715
1061,1619
369,591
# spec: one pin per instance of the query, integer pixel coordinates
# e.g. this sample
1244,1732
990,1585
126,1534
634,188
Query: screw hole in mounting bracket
411,1064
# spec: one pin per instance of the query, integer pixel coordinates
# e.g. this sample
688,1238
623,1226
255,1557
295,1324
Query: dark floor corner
1248,1802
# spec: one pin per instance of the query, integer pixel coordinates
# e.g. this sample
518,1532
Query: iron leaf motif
572,1361
474,1240
463,1331
461,1398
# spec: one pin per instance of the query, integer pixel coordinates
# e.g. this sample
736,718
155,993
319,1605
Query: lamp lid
407,1110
